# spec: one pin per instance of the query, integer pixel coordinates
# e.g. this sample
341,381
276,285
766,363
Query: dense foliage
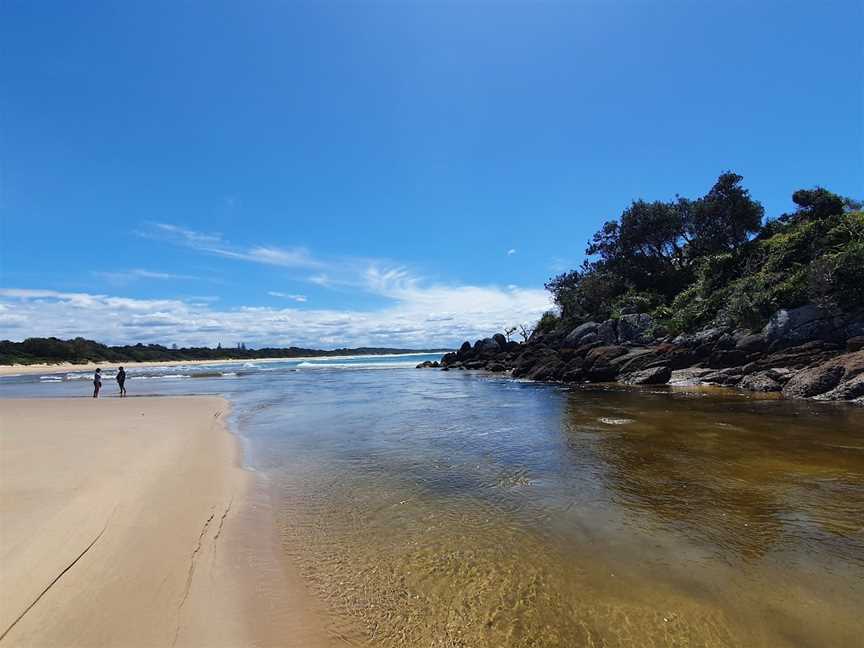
692,263
80,351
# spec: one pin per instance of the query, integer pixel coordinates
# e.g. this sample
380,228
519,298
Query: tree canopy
675,259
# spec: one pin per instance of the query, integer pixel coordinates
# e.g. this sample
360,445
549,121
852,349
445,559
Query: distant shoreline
66,367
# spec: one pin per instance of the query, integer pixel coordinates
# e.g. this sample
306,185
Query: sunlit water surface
454,509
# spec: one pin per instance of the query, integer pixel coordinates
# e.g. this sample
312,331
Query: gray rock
827,377
797,325
688,377
752,343
500,340
634,328
855,343
762,381
607,332
655,376
708,336
573,337
487,345
849,390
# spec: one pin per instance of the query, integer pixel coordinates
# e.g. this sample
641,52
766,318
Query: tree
819,203
722,219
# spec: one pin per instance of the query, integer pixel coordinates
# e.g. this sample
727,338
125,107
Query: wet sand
131,523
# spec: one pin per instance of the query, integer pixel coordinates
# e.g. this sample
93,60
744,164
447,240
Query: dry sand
129,522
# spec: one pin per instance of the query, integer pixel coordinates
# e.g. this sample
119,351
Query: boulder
826,377
798,357
762,381
724,359
487,347
636,360
573,337
475,364
572,371
532,357
797,325
655,376
464,351
688,377
603,355
634,328
849,390
754,343
428,364
725,342
607,332
727,377
702,338
500,340
496,367
855,343
547,370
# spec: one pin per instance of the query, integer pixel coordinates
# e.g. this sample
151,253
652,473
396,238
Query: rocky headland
805,352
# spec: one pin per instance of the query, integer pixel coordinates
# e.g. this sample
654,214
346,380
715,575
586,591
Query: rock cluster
805,352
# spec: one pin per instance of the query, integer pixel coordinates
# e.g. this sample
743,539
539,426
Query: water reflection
481,512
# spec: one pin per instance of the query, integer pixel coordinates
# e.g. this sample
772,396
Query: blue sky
386,173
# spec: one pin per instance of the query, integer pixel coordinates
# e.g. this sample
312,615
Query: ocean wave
355,365
50,379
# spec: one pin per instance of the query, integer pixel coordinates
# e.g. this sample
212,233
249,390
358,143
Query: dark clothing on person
97,383
121,381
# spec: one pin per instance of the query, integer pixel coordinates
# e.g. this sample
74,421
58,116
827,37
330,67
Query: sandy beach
131,523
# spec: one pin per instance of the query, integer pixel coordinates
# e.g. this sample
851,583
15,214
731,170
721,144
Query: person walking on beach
121,381
97,383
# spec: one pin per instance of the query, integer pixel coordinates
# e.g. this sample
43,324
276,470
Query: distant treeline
81,351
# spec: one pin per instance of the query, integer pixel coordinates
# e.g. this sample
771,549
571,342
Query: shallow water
455,509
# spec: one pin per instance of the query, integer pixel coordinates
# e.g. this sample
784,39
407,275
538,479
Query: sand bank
130,523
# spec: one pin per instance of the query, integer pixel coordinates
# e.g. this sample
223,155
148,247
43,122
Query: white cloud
437,315
511,252
419,313
296,298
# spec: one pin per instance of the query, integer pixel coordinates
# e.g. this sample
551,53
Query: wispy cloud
511,252
126,276
296,298
213,243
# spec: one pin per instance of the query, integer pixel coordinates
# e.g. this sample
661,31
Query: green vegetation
81,351
694,263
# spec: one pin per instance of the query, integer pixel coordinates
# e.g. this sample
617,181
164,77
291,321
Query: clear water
457,509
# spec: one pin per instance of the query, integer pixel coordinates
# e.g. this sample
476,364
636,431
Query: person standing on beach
97,383
121,381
